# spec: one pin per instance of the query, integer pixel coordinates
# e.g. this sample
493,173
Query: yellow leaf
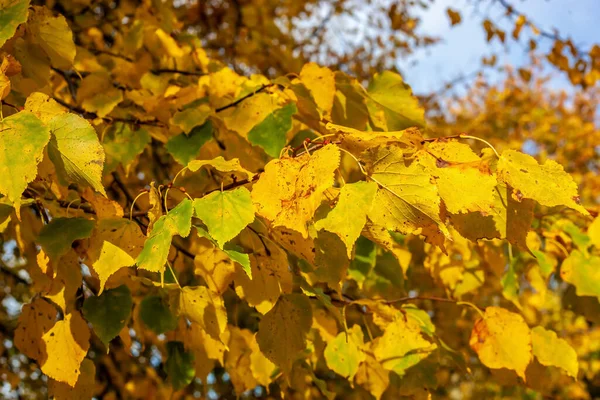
67,344
221,165
35,320
594,232
63,289
502,339
238,363
251,112
372,376
350,213
169,44
320,82
282,331
407,200
4,86
583,271
98,95
291,189
156,210
115,244
402,345
43,106
212,264
553,351
85,387
261,367
355,141
270,274
203,307
382,237
53,35
548,184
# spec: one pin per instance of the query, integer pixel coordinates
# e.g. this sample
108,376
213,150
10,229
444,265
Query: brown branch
159,71
109,53
91,115
407,299
10,105
238,101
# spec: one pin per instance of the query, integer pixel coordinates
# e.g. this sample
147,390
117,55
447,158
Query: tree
193,206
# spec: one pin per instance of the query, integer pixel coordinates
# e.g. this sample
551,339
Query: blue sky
463,45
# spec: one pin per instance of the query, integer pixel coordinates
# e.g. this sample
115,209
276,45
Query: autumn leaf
548,184
179,365
83,389
76,152
582,271
67,344
156,315
282,331
185,147
290,190
344,353
35,320
12,14
550,350
22,143
502,339
203,307
391,104
406,200
53,35
355,200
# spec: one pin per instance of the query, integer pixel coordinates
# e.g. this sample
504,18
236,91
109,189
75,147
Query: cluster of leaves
282,227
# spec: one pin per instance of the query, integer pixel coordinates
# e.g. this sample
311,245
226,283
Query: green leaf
282,331
156,315
156,248
553,351
22,140
582,271
76,151
225,213
57,237
12,14
364,260
122,145
185,147
510,286
548,184
350,213
391,104
179,366
270,134
343,354
109,312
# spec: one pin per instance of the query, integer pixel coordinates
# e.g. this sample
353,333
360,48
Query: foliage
171,218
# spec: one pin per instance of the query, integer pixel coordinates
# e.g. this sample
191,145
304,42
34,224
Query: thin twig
238,101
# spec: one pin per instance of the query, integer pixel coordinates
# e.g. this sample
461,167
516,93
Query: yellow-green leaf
76,151
344,354
582,271
12,14
502,339
402,345
550,350
391,104
350,213
22,141
225,213
56,237
407,199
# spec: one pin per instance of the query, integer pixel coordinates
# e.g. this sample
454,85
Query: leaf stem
173,273
463,136
473,306
133,203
